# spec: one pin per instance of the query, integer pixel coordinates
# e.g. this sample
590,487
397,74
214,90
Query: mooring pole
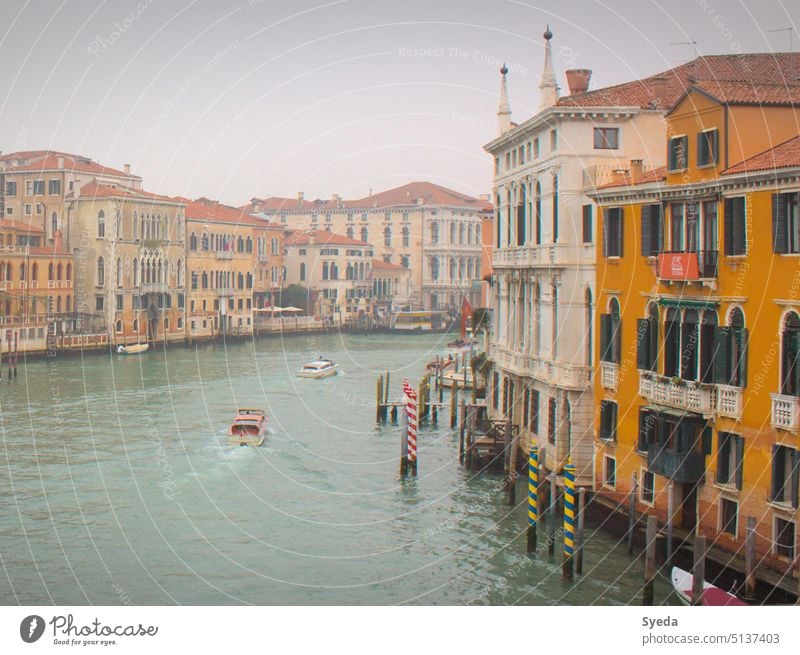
551,537
698,569
750,557
579,532
403,441
670,519
379,396
631,513
533,498
569,522
650,561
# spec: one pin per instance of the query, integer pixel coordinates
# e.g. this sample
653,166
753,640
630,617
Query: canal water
117,486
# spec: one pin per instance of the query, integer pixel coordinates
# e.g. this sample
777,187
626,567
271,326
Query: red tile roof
380,265
322,238
20,226
203,209
751,69
624,178
97,190
784,155
406,195
49,160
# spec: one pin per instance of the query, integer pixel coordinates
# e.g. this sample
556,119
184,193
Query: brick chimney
636,169
336,199
58,241
300,196
659,87
578,80
127,169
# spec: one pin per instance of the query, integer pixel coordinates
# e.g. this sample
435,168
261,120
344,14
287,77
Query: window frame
604,142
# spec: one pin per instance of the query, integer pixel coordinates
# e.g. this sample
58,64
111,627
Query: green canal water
117,486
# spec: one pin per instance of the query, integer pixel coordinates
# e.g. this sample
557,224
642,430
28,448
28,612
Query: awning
675,413
689,303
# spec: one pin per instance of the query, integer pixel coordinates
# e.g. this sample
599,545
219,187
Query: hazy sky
241,98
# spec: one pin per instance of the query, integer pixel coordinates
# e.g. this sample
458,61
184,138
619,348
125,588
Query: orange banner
678,266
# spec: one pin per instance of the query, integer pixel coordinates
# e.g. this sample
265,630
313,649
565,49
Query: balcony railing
154,287
224,254
785,411
676,465
680,266
262,259
681,394
225,291
549,255
609,374
562,373
729,401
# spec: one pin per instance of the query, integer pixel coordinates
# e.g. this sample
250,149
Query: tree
480,319
296,295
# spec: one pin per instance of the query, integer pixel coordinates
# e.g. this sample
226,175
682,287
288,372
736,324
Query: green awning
690,303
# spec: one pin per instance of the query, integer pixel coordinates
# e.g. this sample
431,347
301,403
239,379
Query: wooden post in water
403,442
393,414
453,407
386,390
670,519
512,466
435,414
379,400
631,514
569,522
551,537
650,561
440,378
462,420
579,532
698,569
533,498
750,557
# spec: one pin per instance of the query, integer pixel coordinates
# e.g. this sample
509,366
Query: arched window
325,270
611,334
249,245
406,236
101,272
69,303
34,272
364,234
334,271
22,272
350,232
58,304
53,223
708,331
118,326
59,271
387,236
790,355
689,340
240,245
537,212
50,269
136,326
69,272
469,234
249,280
461,231
738,349
119,272
194,280
452,268
118,224
135,225
240,280
452,233
434,232
349,271
135,272
101,223
180,273
205,279
302,272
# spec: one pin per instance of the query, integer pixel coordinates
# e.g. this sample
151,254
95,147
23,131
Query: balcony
224,254
609,374
675,266
563,374
546,255
675,465
262,259
729,401
681,394
785,411
154,287
225,291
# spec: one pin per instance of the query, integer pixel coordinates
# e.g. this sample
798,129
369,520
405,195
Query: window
689,344
785,475
101,224
611,334
647,429
533,409
608,420
784,538
735,226
11,188
551,420
730,351
609,471
728,516
555,209
606,138
786,222
652,230
120,302
302,272
587,223
613,232
54,187
38,187
406,237
647,340
553,140
181,302
536,148
790,356
364,234
648,487
98,303
730,459
39,209
677,155
537,212
28,209
101,272
707,147
672,340
387,236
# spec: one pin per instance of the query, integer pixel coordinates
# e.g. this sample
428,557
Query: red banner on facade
678,266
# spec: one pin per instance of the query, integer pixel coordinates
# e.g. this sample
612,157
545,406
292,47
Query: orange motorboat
248,428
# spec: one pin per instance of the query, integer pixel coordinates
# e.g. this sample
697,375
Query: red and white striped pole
411,408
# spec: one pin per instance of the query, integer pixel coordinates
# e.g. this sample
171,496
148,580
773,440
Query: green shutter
706,439
722,358
795,477
613,421
728,226
645,231
739,444
621,232
722,461
605,338
606,217
745,344
776,474
779,231
643,344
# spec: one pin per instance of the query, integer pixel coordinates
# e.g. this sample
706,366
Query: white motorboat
133,349
712,595
319,368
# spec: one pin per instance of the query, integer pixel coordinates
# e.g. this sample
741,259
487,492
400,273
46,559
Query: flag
466,312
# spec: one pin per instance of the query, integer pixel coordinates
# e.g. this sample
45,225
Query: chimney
300,196
637,166
336,199
127,169
484,196
420,201
578,80
58,241
61,161
659,87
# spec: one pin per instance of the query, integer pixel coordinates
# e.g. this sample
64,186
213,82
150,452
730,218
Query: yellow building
698,314
130,261
234,260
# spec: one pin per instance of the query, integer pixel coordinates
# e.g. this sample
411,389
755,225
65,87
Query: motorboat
133,349
712,595
248,427
463,377
319,368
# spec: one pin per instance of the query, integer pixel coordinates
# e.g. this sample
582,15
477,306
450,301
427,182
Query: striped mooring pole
569,521
413,418
533,497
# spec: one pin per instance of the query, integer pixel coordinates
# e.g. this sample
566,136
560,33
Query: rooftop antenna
789,29
691,43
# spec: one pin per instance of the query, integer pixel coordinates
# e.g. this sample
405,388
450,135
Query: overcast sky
235,99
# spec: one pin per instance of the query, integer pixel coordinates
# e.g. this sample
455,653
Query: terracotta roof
624,179
379,264
758,68
784,155
203,209
737,93
322,238
48,160
31,154
20,226
97,190
406,195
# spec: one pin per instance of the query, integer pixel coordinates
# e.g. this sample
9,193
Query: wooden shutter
706,439
795,477
715,146
739,444
702,149
587,223
616,341
728,226
779,240
743,361
620,232
606,230
535,412
605,338
643,344
773,489
646,233
646,429
722,355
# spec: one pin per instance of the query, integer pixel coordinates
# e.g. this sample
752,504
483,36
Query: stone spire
548,95
504,108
